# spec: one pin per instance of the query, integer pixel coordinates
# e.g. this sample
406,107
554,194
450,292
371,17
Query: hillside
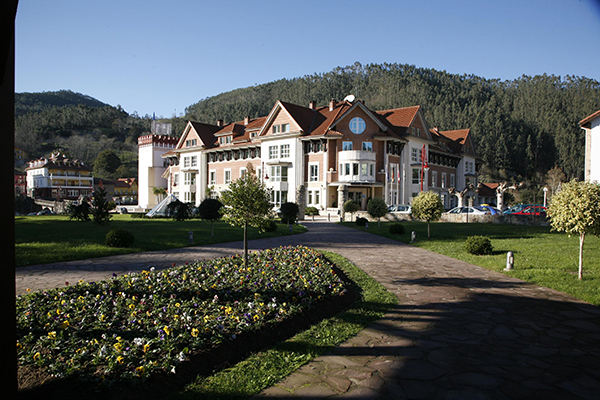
36,102
521,127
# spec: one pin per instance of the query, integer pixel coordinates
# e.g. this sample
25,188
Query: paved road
458,332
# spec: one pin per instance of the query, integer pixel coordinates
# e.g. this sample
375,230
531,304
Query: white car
400,208
469,210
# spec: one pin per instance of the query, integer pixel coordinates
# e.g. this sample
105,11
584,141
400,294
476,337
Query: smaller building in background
20,157
20,183
591,125
58,178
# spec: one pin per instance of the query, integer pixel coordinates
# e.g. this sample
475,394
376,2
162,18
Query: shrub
271,226
397,229
360,221
119,238
478,245
311,210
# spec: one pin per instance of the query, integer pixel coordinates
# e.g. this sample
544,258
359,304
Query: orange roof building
322,156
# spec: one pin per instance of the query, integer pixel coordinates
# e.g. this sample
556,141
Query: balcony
356,155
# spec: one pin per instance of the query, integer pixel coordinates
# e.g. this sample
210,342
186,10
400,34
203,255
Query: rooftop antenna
350,98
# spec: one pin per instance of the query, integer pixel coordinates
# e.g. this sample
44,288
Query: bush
360,221
478,245
311,210
119,238
271,226
397,229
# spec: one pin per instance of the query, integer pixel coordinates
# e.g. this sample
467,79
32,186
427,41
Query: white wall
594,155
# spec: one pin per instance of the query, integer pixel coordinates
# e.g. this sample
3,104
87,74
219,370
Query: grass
46,239
546,258
263,369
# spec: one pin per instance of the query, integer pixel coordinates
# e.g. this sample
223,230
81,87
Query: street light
545,196
424,165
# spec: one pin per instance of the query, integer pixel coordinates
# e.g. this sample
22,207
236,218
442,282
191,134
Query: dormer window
191,143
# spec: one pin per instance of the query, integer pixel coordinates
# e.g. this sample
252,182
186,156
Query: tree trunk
246,245
428,231
581,239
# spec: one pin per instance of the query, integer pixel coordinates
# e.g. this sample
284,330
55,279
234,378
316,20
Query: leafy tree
289,212
80,212
159,192
179,210
427,206
210,209
351,207
311,211
247,203
101,207
377,209
575,209
107,163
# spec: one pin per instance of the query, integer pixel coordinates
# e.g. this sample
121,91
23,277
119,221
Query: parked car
469,210
517,208
400,208
46,212
491,209
532,210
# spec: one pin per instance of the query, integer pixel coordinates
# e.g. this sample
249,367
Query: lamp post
545,196
424,165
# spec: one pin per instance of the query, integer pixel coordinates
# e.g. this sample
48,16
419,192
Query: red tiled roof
589,119
400,117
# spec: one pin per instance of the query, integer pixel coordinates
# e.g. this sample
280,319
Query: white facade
151,167
591,125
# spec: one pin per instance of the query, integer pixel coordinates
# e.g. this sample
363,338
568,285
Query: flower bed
130,327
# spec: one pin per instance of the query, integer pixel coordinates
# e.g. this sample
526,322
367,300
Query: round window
357,125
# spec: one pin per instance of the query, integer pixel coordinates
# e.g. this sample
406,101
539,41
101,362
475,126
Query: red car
532,210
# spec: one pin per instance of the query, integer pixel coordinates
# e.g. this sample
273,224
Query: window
186,162
314,197
347,168
314,172
273,152
346,146
175,179
285,128
354,168
415,154
278,197
276,128
443,183
194,161
278,173
434,178
452,180
227,176
372,170
285,150
191,142
416,175
367,146
212,177
242,172
357,125
189,178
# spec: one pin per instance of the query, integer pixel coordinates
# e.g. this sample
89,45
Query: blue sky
162,56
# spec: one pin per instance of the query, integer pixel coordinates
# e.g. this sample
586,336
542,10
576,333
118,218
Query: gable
283,119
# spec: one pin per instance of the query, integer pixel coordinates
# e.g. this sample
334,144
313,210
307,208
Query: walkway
458,332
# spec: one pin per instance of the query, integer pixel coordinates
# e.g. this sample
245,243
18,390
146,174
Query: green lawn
542,257
45,239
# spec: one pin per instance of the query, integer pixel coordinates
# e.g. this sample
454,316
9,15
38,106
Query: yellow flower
120,359
36,356
256,317
146,347
52,335
228,310
195,332
118,346
167,330
64,325
139,370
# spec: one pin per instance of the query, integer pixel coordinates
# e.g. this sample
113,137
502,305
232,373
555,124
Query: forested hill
36,102
525,126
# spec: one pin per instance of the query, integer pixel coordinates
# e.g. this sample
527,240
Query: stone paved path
458,332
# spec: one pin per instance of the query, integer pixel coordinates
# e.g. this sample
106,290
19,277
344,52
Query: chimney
219,122
246,120
312,105
332,104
